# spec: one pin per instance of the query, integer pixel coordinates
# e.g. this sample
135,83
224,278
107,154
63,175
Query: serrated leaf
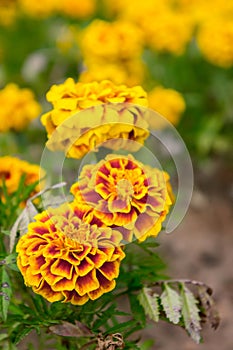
171,303
6,293
209,306
190,313
22,222
149,302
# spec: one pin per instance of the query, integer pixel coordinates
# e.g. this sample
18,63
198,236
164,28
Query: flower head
18,108
43,8
69,255
118,40
77,8
77,133
168,102
12,169
215,39
8,12
125,193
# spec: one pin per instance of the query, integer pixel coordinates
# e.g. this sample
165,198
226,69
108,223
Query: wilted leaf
190,313
171,303
67,329
209,306
149,302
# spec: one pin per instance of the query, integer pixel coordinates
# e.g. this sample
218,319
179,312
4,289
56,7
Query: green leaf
6,293
190,313
104,317
147,345
3,336
171,303
21,332
137,309
149,302
121,327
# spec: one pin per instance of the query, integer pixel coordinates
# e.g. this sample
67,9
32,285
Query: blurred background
181,53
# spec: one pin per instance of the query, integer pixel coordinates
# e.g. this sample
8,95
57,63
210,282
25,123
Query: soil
201,248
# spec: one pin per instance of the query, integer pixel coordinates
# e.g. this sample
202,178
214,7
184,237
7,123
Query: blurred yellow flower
167,102
18,108
199,10
69,255
130,72
127,194
77,8
87,130
11,171
215,40
42,8
112,41
8,12
165,28
169,32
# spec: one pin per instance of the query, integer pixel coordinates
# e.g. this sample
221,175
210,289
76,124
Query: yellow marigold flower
129,72
118,40
8,12
199,10
12,169
215,40
77,8
18,108
169,32
89,129
68,255
42,8
127,194
167,102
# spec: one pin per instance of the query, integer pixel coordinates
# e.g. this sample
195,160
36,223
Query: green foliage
10,203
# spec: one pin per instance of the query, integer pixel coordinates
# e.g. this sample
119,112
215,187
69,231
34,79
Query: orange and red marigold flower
69,255
127,194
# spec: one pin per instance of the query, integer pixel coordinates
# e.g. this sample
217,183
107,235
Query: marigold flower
18,108
199,10
96,125
170,32
68,255
123,192
77,8
168,102
42,8
8,12
12,169
215,39
130,72
118,40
